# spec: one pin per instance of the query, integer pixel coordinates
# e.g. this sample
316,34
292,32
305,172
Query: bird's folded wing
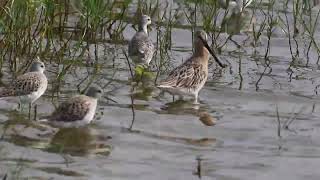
185,76
23,85
72,110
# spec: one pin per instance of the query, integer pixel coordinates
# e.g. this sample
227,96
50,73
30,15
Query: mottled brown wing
28,83
186,76
23,85
72,110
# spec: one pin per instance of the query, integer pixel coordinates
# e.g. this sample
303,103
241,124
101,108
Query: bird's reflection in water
143,93
79,142
182,107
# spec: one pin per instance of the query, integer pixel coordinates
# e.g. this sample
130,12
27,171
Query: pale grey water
243,145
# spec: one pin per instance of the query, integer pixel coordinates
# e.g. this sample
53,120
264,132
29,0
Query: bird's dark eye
99,91
149,19
42,66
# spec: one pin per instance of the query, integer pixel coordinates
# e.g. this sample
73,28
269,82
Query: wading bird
190,77
235,6
141,48
76,111
29,86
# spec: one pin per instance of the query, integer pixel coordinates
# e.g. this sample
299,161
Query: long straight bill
212,53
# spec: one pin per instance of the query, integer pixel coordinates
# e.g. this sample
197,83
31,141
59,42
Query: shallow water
168,138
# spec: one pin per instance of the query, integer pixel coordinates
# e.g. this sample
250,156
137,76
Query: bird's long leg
19,106
195,99
30,105
35,112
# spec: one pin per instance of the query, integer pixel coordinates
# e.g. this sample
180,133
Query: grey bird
235,6
141,48
77,111
29,86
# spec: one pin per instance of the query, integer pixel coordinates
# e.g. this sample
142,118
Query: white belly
90,115
184,91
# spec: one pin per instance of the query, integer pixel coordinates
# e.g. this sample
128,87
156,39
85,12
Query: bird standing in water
235,6
76,111
141,48
190,77
29,86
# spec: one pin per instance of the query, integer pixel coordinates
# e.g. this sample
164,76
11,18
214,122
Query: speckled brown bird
29,86
190,77
76,111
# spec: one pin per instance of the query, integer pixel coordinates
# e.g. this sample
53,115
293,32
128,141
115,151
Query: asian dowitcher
190,77
141,48
76,111
29,86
